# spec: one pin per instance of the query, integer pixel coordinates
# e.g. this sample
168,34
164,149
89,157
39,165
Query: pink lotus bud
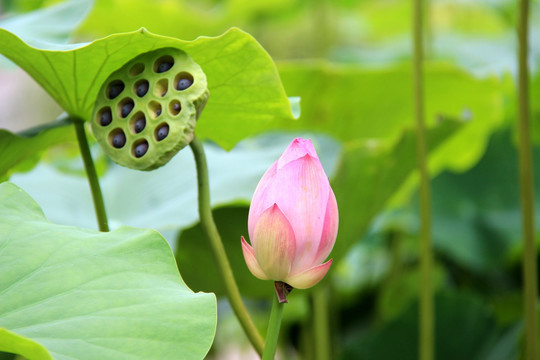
293,220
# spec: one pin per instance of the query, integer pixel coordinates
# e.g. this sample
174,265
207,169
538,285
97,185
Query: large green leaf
23,148
353,102
246,93
82,294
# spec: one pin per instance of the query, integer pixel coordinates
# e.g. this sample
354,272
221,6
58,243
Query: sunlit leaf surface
82,294
245,90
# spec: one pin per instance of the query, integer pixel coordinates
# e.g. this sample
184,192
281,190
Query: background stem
91,174
426,319
321,324
209,227
274,324
527,187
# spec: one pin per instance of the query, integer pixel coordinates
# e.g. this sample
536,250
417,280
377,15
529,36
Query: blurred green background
349,62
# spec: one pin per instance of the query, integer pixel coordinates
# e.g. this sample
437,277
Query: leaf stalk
526,182
426,313
91,174
220,256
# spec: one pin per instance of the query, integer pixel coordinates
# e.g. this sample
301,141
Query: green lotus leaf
82,294
247,96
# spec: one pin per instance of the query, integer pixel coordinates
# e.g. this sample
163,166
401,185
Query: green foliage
87,295
477,220
180,18
401,290
353,102
465,329
369,174
232,62
21,150
52,24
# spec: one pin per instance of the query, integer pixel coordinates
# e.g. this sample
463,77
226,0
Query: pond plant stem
526,181
209,227
274,323
97,196
426,313
321,325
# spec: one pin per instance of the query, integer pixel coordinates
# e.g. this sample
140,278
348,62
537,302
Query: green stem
99,206
426,317
428,31
209,227
274,324
527,187
321,322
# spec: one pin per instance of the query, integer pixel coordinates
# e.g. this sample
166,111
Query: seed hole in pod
162,131
137,123
141,87
163,64
161,88
174,107
115,88
183,80
136,69
154,108
117,138
104,116
125,106
140,148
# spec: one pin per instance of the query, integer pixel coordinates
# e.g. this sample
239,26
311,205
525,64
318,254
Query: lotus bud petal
293,220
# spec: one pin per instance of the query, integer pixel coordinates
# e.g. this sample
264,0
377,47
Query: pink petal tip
251,260
309,277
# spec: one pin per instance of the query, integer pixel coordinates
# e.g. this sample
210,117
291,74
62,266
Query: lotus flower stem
209,227
91,174
527,188
274,323
426,319
321,326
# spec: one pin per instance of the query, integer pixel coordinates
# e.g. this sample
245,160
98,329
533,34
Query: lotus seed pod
146,111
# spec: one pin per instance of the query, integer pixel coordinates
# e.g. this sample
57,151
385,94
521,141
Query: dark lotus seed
116,89
141,149
176,107
139,125
119,140
106,117
158,112
183,84
164,66
126,108
142,88
163,132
